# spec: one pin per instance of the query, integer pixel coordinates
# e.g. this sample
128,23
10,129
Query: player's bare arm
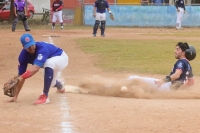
25,11
15,11
33,70
109,10
94,11
173,77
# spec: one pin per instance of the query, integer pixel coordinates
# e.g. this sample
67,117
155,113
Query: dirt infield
86,113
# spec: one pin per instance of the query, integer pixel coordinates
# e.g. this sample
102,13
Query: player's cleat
94,35
103,35
52,28
13,30
61,27
177,28
28,30
180,28
62,90
42,99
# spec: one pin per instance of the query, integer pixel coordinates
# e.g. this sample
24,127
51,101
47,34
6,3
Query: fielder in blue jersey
181,75
41,55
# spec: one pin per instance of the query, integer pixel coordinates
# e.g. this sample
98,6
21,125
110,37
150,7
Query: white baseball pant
179,17
57,15
101,16
151,82
57,63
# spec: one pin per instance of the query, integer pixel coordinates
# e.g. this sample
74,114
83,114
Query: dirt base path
84,113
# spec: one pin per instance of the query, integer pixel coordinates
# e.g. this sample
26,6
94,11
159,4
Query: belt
100,12
58,10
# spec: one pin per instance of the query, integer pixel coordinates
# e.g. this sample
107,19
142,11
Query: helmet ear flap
190,53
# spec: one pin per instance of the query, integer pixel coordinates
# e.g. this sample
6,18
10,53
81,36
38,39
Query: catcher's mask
27,40
190,53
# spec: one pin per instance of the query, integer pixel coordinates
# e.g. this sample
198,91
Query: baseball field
109,60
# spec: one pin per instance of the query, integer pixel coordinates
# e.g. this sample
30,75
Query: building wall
92,1
143,16
70,3
39,4
128,1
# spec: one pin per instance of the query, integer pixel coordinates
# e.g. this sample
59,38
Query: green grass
140,56
37,24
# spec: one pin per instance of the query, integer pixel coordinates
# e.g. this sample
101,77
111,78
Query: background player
20,13
99,12
181,75
57,13
41,55
180,7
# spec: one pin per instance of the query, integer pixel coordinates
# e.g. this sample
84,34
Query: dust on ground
112,86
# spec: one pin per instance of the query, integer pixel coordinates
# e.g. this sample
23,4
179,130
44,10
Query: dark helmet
190,53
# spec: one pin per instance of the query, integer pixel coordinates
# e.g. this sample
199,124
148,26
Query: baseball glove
10,86
24,18
111,16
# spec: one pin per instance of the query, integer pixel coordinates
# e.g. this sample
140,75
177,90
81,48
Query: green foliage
140,56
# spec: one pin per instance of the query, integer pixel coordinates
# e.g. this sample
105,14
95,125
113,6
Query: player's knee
50,65
97,22
103,24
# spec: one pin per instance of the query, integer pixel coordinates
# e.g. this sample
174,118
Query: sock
58,85
48,77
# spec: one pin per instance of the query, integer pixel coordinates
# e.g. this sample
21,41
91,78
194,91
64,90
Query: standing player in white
41,55
99,12
57,13
180,7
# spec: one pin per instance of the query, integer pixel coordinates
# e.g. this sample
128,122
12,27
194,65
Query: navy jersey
43,52
56,5
180,3
186,69
101,6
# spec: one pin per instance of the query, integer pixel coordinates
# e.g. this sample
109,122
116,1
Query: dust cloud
105,86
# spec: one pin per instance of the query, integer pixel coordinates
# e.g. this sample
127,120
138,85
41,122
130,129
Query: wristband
26,75
110,11
167,79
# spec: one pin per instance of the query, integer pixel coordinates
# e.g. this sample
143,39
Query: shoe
42,99
181,28
61,27
28,30
94,35
52,28
13,30
177,28
103,35
62,90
